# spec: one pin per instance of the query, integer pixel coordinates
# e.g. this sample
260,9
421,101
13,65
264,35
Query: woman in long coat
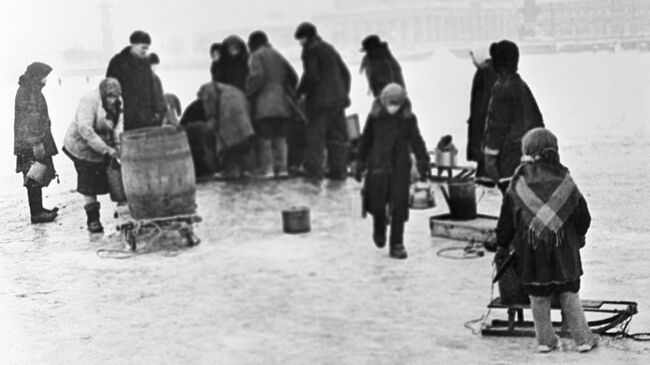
34,145
390,135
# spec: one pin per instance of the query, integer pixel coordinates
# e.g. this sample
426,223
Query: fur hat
306,30
257,39
370,42
110,87
393,94
538,142
140,37
505,56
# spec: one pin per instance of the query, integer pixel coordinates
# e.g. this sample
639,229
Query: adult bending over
91,142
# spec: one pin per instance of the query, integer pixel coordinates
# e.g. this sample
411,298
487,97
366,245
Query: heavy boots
379,232
92,212
397,250
37,212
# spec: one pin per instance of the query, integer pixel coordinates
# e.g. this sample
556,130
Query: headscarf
505,56
543,190
34,75
393,94
540,144
111,87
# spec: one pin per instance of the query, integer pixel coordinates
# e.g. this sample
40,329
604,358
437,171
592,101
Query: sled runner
609,315
132,230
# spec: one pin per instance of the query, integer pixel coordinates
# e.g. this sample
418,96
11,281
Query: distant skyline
42,29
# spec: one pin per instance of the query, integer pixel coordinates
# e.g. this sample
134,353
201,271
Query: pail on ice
296,220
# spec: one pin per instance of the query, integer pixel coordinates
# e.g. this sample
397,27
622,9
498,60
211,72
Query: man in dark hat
143,106
325,85
379,65
270,89
513,111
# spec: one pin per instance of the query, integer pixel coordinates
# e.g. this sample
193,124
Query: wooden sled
130,227
612,313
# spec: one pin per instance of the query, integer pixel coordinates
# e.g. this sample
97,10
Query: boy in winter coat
545,217
389,137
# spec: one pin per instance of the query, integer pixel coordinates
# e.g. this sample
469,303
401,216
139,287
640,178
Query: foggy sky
42,29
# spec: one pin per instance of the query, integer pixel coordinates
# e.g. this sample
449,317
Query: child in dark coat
546,218
389,137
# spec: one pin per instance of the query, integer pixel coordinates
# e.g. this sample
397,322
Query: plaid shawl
546,197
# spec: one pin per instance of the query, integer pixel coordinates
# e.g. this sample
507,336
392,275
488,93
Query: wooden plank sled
615,313
131,227
480,229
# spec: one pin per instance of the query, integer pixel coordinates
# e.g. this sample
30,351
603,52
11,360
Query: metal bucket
446,158
296,220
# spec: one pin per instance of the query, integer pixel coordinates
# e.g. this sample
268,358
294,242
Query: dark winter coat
484,80
143,100
232,71
326,78
512,112
558,262
271,84
385,151
32,125
381,69
202,139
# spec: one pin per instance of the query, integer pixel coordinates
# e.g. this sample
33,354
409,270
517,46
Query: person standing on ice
33,142
143,104
389,137
325,86
232,66
484,79
91,141
379,65
270,90
546,218
512,112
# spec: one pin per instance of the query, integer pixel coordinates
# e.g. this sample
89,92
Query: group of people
258,117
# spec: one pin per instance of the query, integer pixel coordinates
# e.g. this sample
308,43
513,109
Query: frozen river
250,295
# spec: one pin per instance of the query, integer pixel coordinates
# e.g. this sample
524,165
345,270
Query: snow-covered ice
251,295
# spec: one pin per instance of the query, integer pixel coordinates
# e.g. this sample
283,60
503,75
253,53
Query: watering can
461,199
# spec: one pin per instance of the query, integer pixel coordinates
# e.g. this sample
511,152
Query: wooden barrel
158,173
296,220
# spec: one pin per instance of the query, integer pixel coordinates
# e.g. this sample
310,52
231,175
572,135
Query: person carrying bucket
34,145
91,141
545,217
390,135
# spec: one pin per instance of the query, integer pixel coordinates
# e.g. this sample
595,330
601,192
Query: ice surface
251,295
